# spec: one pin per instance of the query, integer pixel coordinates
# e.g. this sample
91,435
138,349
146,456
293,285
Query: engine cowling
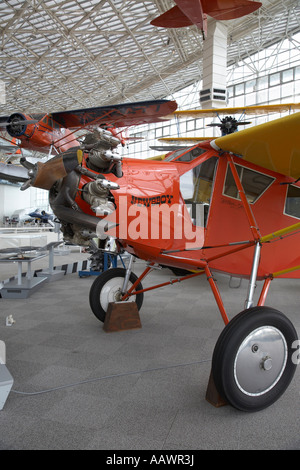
18,124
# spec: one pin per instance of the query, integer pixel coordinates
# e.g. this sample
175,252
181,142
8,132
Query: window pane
239,89
287,75
262,83
230,188
275,79
250,86
196,187
186,157
230,91
292,204
254,183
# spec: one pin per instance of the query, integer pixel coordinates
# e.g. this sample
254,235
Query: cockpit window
253,182
292,203
184,155
196,190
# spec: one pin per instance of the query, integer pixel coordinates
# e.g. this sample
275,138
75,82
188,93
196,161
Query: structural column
213,94
2,93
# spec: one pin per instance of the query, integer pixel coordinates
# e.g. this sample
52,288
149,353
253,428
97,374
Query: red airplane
227,205
189,12
55,132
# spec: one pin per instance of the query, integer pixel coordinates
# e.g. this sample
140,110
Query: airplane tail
189,12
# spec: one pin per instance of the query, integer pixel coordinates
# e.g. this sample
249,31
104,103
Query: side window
196,188
253,182
292,203
185,157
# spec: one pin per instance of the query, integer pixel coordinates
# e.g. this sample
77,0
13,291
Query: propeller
44,175
16,122
228,125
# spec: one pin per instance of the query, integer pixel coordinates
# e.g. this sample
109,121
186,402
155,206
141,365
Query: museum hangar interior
69,381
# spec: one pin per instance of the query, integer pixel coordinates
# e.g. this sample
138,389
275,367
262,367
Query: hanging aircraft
230,204
53,133
195,12
56,132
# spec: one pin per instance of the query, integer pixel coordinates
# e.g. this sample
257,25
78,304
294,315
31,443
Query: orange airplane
55,132
229,204
195,12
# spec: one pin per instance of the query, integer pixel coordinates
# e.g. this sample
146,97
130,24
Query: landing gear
108,288
252,362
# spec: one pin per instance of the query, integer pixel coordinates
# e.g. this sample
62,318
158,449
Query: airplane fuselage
188,213
42,136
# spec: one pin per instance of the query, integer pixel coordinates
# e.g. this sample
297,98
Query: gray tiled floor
134,390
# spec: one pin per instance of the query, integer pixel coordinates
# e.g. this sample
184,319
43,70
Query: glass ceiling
70,54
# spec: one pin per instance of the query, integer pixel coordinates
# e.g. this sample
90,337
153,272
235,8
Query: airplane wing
249,110
165,148
274,145
120,115
185,140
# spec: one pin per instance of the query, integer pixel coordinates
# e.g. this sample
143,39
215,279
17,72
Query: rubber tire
98,284
228,345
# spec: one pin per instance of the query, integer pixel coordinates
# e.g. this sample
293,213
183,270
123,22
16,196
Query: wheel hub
266,363
118,295
260,361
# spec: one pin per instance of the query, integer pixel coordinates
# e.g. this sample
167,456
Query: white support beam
213,94
2,92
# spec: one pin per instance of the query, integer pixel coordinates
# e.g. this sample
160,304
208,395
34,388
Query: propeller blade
24,122
26,164
220,124
44,175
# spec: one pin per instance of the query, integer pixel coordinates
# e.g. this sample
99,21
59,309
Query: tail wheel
108,288
252,361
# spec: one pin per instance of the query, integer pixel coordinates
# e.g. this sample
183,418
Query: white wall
12,198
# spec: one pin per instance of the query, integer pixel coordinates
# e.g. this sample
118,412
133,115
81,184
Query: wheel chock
212,394
122,316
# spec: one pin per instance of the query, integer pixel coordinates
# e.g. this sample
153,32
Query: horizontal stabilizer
173,18
229,9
